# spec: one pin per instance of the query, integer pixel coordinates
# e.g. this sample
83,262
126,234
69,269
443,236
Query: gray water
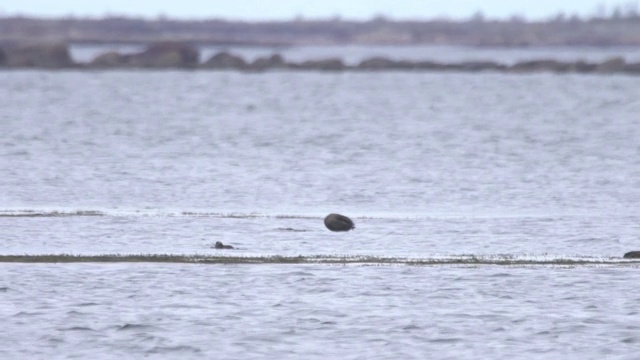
428,165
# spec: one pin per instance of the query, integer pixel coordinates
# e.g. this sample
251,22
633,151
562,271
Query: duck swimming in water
337,222
220,245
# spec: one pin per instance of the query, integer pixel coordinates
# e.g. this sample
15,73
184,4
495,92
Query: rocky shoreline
175,55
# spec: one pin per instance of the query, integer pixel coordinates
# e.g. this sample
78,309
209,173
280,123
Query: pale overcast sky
288,9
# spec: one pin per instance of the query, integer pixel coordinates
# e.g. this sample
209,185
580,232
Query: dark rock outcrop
632,255
163,55
613,65
167,55
110,59
333,64
477,66
337,222
177,55
633,68
3,57
267,63
380,63
225,61
428,66
49,56
540,65
582,67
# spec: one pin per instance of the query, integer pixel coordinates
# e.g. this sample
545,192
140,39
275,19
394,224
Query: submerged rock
632,255
220,245
337,222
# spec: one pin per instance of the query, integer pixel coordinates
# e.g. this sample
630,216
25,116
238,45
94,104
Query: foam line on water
230,258
204,213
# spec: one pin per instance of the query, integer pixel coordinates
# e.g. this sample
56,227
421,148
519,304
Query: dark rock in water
160,55
632,255
613,65
540,65
337,222
267,63
380,63
51,56
220,245
474,66
225,60
633,68
581,66
557,66
167,55
332,64
109,60
3,57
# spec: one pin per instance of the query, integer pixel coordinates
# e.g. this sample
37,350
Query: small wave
7,213
78,328
446,340
88,304
28,313
169,349
172,213
132,327
412,327
54,213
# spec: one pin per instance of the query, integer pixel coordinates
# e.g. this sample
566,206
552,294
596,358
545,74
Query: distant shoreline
178,55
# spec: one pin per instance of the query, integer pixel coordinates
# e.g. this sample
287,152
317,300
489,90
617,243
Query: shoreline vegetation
471,260
613,26
180,55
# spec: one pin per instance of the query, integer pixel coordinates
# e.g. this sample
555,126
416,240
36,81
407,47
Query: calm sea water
428,165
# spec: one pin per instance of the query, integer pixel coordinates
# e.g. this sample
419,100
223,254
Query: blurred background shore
330,44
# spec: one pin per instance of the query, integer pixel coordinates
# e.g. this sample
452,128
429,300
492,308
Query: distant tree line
619,25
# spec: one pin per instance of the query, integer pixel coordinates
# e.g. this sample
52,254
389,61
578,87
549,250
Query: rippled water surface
280,311
428,165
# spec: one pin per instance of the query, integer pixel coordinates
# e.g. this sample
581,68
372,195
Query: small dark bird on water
337,222
220,245
632,255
